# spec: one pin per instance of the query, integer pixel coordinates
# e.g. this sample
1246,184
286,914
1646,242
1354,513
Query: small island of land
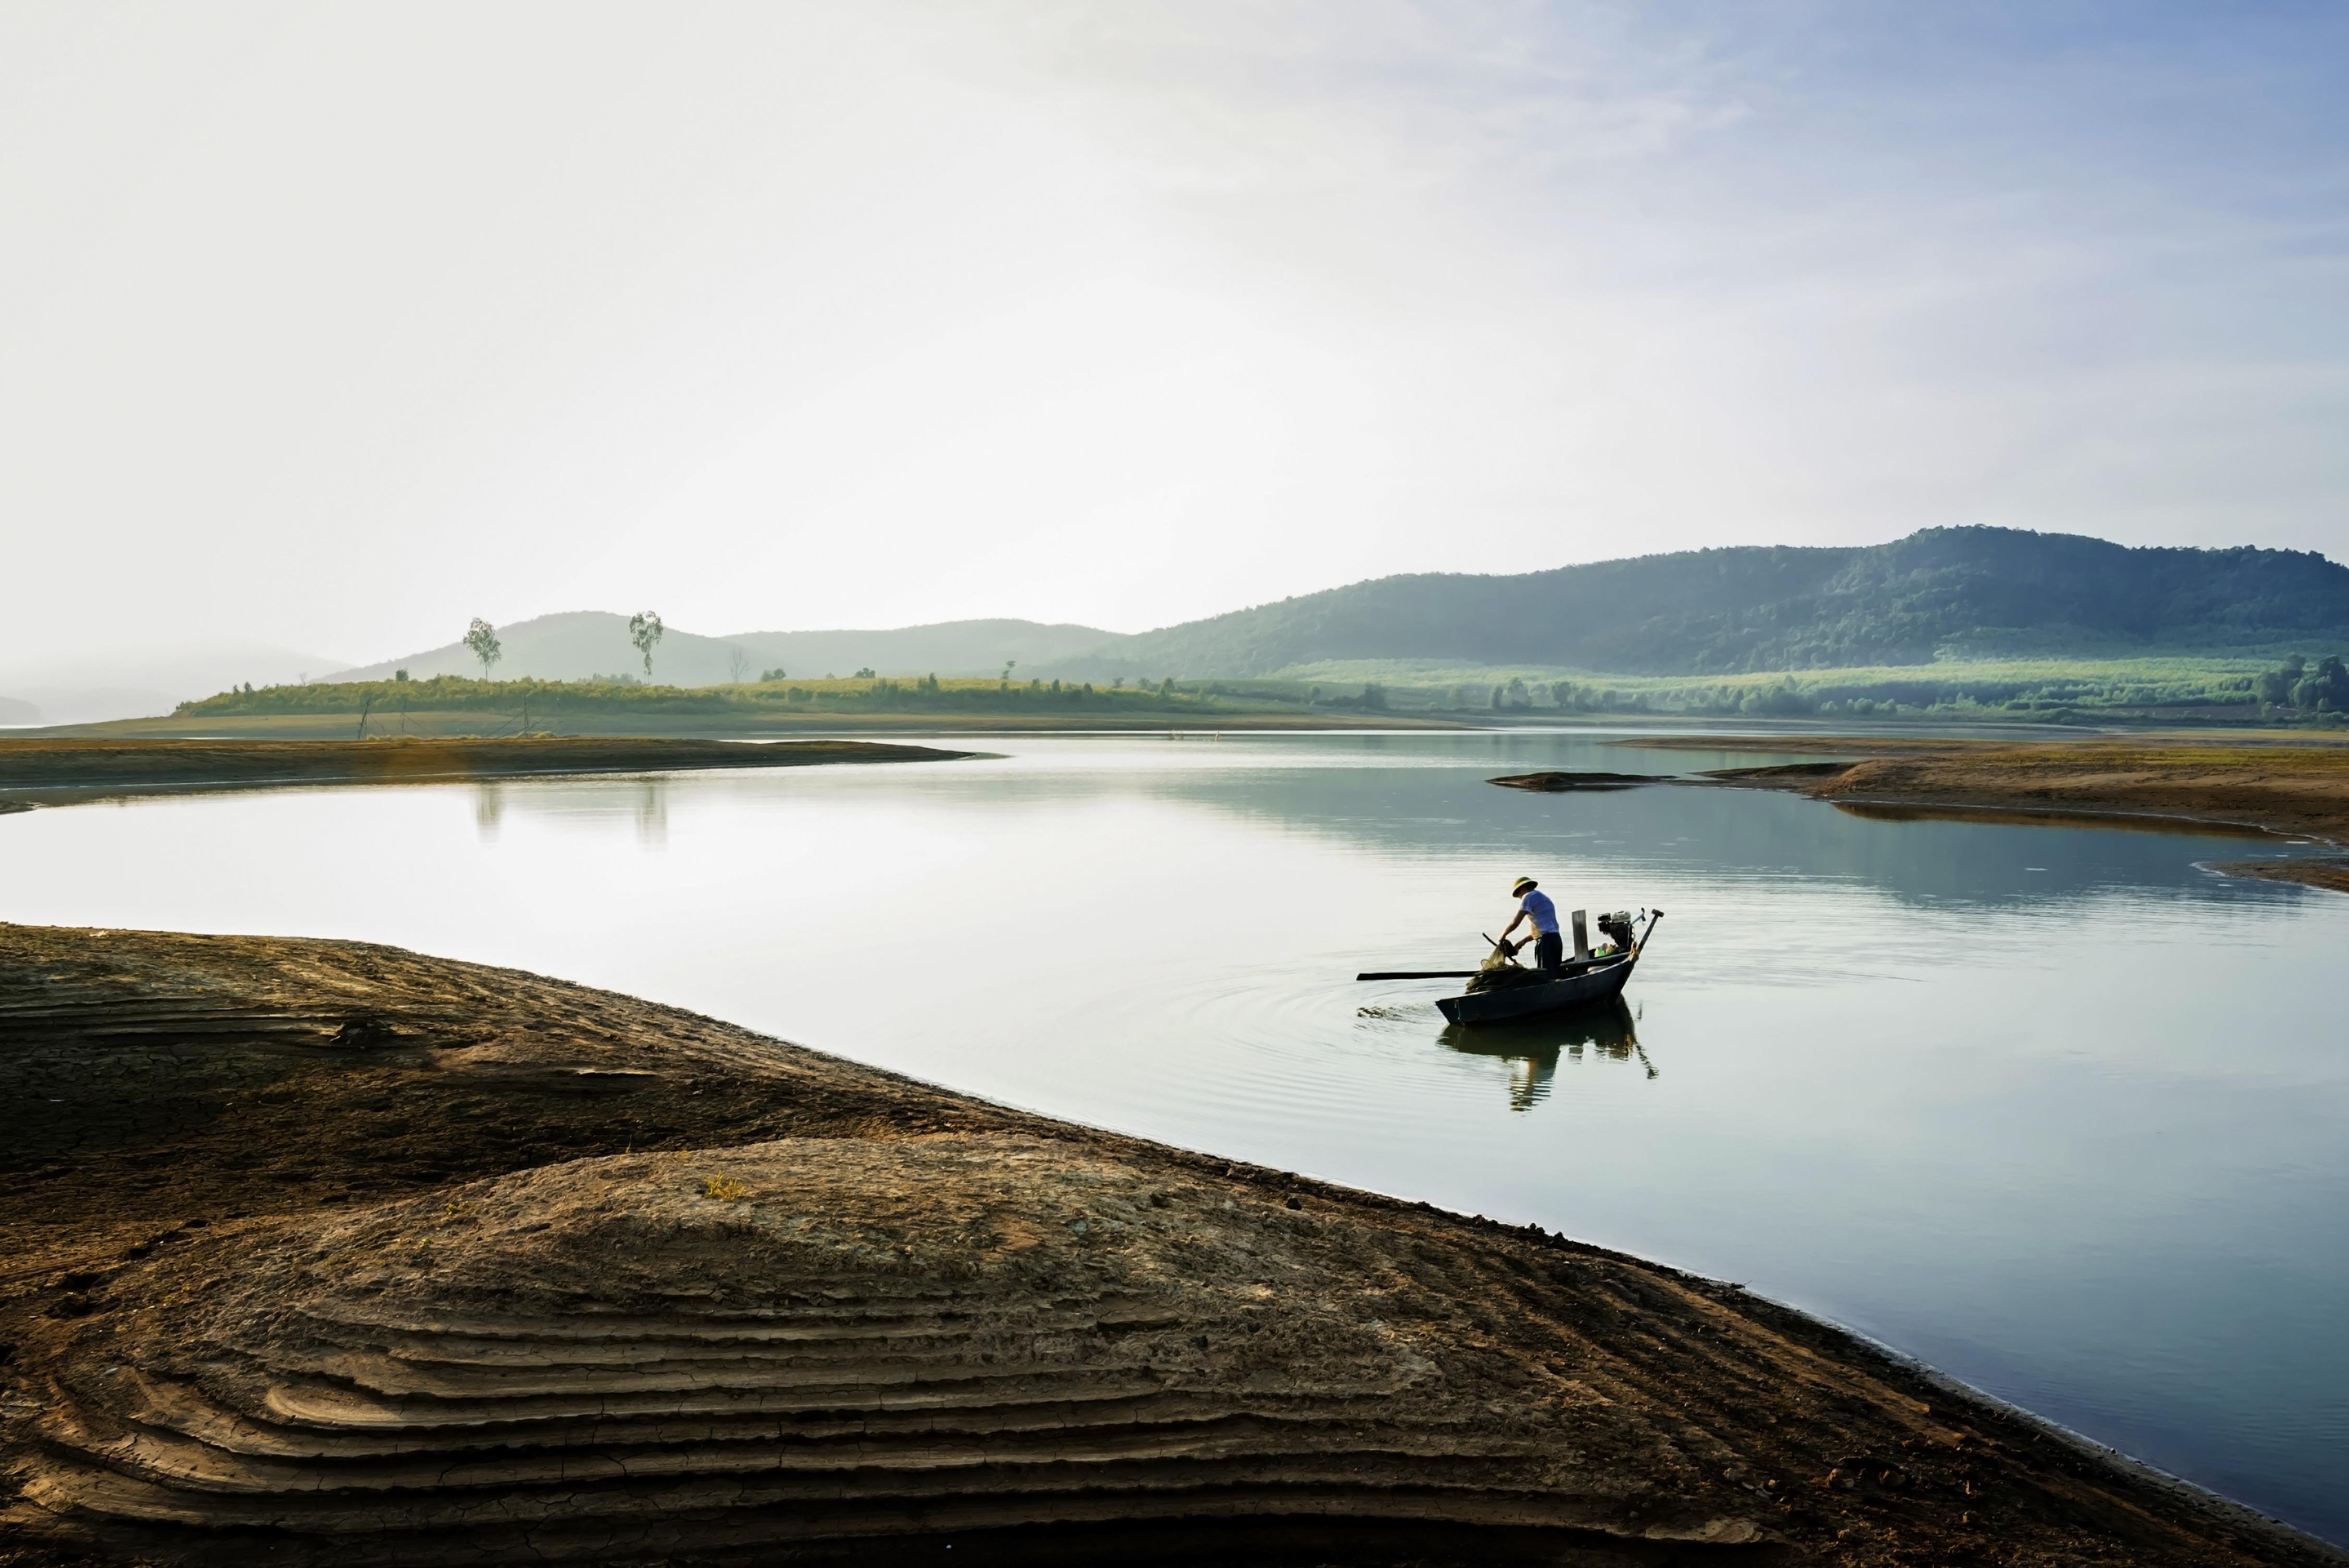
321,1253
1556,783
51,770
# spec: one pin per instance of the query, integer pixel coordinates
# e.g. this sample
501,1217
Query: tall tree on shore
644,630
483,639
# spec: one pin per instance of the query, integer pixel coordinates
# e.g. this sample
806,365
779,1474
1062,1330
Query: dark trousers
1549,950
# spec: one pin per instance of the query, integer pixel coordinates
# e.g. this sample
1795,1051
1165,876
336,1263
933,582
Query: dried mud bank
2294,790
47,771
322,1253
657,724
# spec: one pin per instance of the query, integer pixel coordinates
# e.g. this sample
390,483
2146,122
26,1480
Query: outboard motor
1617,928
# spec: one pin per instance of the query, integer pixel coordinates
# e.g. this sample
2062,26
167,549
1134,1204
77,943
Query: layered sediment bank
42,771
2292,790
324,1253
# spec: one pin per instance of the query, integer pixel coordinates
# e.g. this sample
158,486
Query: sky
331,327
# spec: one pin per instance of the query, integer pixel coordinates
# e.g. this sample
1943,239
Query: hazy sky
334,325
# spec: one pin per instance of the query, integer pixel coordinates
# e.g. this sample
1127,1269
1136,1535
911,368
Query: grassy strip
2186,688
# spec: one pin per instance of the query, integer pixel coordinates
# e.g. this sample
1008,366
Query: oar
1436,974
1428,973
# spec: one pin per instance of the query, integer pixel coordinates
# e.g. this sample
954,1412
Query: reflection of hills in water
1927,858
640,799
1532,1045
1426,796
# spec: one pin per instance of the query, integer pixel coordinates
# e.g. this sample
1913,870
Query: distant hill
581,643
1963,592
573,646
948,648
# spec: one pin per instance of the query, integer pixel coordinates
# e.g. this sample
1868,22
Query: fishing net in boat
1499,974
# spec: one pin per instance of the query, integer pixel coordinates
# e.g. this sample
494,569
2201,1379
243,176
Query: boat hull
1599,984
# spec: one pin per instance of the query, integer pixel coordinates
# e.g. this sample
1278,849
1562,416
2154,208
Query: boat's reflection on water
1532,1045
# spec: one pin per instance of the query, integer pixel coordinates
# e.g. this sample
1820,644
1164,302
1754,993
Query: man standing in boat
1549,948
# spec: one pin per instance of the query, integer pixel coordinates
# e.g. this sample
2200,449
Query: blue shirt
1537,903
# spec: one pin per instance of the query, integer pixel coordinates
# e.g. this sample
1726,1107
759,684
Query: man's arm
1506,948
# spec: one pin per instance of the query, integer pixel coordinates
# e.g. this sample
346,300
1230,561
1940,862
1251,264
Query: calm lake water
2046,1107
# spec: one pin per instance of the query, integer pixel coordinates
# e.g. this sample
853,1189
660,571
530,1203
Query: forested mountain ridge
1969,592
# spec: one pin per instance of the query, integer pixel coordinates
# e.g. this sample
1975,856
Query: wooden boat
1580,982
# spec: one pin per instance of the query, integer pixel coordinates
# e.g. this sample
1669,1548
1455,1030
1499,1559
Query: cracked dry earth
320,1253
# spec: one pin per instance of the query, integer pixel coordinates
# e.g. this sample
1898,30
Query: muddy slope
330,1253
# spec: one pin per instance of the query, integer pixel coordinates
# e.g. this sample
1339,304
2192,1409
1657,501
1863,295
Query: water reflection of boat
1532,1045
1579,985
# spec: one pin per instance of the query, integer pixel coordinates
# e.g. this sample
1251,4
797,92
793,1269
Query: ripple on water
1285,1041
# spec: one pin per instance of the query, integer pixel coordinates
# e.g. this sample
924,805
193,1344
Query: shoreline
2331,876
284,1210
65,772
